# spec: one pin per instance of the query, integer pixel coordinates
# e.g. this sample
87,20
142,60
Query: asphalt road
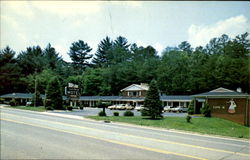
31,135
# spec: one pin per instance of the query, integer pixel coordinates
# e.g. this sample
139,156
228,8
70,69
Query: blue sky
160,24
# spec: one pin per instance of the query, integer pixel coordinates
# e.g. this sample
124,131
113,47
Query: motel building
224,103
134,95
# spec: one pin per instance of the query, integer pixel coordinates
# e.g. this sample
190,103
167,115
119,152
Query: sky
159,24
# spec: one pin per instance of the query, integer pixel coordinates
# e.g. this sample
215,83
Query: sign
232,106
72,90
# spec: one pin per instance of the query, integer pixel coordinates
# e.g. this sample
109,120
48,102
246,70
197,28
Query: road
32,135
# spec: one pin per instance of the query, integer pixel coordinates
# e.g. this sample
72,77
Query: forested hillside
223,62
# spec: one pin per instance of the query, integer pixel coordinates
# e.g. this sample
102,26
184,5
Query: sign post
72,92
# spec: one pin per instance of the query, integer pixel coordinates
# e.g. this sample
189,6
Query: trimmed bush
116,113
102,114
191,108
206,111
13,102
188,118
144,114
1,100
49,108
70,108
128,113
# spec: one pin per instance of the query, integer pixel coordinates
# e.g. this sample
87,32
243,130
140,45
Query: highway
32,135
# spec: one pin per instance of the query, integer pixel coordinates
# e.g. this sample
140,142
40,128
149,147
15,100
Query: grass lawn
215,126
38,109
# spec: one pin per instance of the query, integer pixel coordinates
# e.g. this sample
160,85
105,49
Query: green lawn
215,126
38,109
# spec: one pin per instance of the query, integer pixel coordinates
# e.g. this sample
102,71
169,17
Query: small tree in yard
191,107
36,98
152,103
205,110
54,94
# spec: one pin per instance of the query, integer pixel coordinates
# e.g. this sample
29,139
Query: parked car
167,109
138,108
179,109
129,107
112,107
28,103
120,107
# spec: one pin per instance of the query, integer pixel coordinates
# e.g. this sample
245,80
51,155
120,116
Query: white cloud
20,8
62,52
159,48
141,43
68,8
202,34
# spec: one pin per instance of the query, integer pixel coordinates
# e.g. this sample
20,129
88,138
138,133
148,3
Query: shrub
188,118
49,108
1,100
191,107
102,114
144,113
70,108
128,113
116,113
81,107
206,111
13,102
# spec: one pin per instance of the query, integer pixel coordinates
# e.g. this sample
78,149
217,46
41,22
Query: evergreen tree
51,56
9,71
191,107
79,55
31,60
152,102
120,51
101,58
205,110
54,94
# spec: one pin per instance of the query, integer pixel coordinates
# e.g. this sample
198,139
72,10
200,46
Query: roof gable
221,89
135,87
221,92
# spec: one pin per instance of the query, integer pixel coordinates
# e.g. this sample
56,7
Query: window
182,104
133,93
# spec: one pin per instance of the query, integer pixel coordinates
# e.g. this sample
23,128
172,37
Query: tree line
223,62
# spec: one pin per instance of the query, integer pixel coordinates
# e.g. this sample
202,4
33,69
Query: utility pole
35,92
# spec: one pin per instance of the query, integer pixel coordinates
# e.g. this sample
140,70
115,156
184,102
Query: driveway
94,111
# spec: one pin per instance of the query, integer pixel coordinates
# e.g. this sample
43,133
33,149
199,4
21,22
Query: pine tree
79,54
152,103
54,94
102,54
